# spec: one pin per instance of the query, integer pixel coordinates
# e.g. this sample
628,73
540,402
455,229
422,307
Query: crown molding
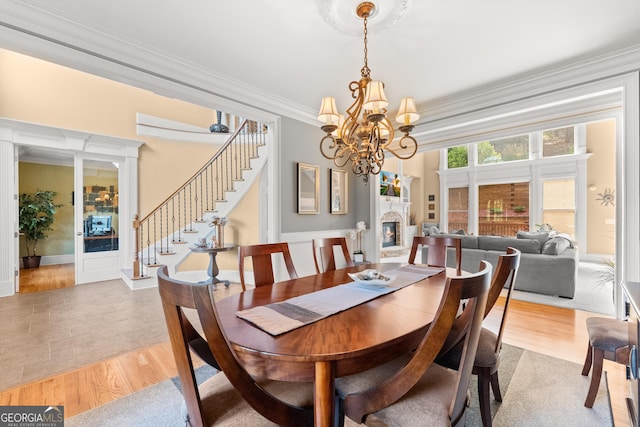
554,78
41,33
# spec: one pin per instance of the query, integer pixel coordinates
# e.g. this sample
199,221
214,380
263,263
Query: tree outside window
457,157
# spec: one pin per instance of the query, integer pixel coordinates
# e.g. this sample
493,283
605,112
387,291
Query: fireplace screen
389,234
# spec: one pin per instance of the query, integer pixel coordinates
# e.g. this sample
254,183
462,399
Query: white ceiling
435,50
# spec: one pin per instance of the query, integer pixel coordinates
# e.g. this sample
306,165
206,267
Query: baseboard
57,259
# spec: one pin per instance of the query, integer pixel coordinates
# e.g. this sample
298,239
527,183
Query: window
503,150
558,142
503,209
458,215
457,157
559,206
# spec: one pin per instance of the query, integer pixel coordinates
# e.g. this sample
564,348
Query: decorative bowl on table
372,278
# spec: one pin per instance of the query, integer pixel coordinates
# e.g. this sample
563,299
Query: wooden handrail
163,226
199,172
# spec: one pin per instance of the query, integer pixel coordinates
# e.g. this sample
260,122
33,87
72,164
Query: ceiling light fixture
366,132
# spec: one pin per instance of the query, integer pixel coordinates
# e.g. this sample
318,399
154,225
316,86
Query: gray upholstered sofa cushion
540,273
494,243
541,236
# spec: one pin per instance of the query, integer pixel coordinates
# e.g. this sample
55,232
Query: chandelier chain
365,71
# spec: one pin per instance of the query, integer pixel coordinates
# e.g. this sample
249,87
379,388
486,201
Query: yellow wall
37,91
432,185
414,167
241,230
601,168
41,92
32,177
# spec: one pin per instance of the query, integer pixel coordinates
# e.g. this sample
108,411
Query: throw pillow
433,230
555,246
460,232
541,237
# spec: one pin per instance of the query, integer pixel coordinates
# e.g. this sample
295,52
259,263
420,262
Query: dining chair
487,358
231,397
262,263
413,390
437,252
323,249
608,339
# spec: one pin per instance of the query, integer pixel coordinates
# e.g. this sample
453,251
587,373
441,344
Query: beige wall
37,91
238,230
432,184
601,168
32,177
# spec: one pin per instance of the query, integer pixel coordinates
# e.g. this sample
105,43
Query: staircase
164,235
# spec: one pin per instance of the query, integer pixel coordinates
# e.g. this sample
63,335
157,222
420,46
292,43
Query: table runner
285,316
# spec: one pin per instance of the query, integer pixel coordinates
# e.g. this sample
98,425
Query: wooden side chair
394,393
437,255
323,249
608,339
231,397
487,357
262,264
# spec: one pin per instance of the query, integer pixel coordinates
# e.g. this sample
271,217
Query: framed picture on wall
432,197
432,216
339,191
308,188
389,184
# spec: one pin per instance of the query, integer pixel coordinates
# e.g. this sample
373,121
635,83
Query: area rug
589,296
538,390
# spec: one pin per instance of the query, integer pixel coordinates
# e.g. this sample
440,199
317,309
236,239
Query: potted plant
35,216
605,277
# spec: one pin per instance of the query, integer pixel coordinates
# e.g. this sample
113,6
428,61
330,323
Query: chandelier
365,133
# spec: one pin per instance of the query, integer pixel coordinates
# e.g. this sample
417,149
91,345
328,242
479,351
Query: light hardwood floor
47,277
554,331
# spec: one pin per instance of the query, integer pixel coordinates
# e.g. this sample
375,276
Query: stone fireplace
392,221
393,228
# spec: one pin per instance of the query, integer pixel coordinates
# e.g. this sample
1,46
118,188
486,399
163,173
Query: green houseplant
36,214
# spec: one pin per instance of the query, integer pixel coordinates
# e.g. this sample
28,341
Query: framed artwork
432,206
389,184
432,197
339,191
432,216
308,188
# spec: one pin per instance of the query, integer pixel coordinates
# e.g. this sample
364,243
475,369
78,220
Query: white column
8,225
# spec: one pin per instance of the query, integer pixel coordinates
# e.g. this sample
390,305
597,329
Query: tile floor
52,331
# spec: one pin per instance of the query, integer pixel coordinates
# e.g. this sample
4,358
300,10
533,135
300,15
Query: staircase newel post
136,239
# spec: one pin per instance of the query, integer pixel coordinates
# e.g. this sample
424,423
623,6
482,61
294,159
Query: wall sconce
592,187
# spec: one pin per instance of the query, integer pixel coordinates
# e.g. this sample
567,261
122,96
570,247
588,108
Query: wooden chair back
437,254
177,295
504,277
473,289
262,263
324,250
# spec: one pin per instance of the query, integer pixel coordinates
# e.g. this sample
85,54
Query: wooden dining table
342,344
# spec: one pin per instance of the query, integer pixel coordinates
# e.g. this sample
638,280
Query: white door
97,221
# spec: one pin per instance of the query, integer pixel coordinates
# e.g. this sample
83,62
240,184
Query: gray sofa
547,265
